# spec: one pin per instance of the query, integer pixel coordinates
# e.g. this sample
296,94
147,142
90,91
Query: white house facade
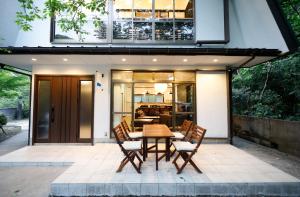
157,61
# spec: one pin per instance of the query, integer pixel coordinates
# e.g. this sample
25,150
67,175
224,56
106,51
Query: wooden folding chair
129,133
182,132
129,148
133,135
186,150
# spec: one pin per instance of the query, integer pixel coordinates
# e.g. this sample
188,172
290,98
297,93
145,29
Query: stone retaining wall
10,113
280,134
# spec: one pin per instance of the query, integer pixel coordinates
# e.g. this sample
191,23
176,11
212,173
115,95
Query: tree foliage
271,89
12,87
291,9
11,84
71,14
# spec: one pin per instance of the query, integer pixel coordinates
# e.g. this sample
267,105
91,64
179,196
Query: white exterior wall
211,101
209,19
212,106
251,25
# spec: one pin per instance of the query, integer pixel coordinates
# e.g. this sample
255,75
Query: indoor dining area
150,97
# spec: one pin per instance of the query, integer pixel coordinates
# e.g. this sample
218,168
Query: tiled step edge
20,164
176,189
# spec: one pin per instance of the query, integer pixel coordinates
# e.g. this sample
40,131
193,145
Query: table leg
145,144
156,153
167,149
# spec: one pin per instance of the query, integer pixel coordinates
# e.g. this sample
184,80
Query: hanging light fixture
160,87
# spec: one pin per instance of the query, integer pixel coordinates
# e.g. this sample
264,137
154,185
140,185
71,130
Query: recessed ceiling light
123,60
34,59
185,60
215,60
154,60
65,59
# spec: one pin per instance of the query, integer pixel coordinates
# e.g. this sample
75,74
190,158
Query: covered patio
92,172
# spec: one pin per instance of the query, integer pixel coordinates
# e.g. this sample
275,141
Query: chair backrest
197,135
125,126
186,127
119,134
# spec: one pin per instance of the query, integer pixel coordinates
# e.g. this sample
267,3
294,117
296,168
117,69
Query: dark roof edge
283,24
139,51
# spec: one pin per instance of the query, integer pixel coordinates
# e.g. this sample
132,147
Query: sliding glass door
122,103
147,97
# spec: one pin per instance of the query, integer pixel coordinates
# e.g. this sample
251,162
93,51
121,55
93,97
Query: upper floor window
139,21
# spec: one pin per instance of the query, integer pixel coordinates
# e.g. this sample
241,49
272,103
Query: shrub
3,120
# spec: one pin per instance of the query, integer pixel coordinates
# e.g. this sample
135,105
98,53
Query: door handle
52,114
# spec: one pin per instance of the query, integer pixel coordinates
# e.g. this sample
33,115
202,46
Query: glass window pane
164,9
142,31
93,34
122,97
184,9
142,9
184,96
122,9
164,31
43,115
101,31
184,76
86,109
122,30
122,75
184,30
69,36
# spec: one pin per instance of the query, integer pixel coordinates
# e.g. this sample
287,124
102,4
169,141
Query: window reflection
122,30
142,31
138,20
164,31
184,30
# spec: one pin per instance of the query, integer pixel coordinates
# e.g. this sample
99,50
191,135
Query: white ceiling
132,61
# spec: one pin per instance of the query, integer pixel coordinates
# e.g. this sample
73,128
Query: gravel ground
28,181
285,162
24,181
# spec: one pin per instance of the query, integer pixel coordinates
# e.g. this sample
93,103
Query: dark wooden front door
63,109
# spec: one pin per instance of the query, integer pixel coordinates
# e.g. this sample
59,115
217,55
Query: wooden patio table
156,131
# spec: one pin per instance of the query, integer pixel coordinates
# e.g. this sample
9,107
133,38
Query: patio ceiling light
185,60
154,60
123,60
34,59
215,60
65,59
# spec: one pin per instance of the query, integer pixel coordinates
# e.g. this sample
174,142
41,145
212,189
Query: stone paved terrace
226,171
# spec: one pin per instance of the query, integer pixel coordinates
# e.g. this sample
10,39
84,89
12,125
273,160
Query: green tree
271,89
12,87
70,13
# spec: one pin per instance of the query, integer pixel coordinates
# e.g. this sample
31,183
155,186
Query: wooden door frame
91,140
35,108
